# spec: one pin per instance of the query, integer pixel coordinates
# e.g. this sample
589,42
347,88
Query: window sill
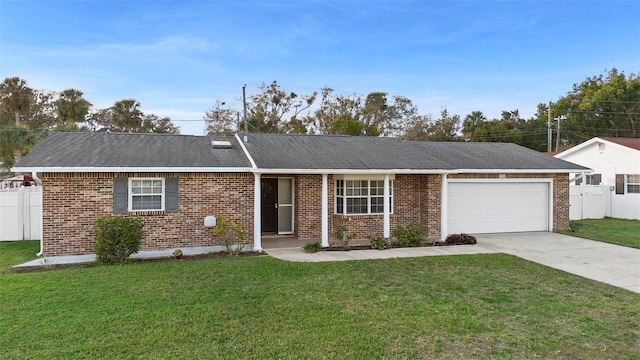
147,213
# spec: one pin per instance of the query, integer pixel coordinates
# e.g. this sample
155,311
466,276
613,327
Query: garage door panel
486,207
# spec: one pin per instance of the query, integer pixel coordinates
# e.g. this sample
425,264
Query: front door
276,205
269,205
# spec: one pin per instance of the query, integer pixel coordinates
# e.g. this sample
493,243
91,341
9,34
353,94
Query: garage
514,205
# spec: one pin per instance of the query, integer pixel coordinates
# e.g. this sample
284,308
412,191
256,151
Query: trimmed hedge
117,238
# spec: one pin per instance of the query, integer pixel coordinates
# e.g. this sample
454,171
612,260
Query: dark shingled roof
92,149
274,151
277,151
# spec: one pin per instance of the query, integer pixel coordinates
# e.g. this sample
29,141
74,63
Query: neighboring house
616,164
299,185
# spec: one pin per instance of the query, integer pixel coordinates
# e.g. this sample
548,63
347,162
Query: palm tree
16,97
126,116
71,108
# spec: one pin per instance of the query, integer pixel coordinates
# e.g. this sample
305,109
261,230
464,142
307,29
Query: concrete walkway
297,254
608,263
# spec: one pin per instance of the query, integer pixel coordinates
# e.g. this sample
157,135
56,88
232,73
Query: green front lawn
17,252
615,231
481,306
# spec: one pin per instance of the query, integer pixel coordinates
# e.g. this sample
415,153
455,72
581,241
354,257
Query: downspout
38,180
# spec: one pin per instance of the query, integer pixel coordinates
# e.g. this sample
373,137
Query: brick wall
407,198
72,202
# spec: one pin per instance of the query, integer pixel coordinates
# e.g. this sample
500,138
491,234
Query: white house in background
616,164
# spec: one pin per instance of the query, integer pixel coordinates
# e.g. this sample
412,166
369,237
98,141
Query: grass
481,306
17,252
610,230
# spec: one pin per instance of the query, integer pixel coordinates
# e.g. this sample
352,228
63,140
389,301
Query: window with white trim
146,194
627,184
633,184
362,197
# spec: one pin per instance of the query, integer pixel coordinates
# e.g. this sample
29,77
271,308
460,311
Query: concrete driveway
612,264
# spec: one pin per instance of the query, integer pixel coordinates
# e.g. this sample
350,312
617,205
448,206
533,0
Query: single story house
616,164
298,185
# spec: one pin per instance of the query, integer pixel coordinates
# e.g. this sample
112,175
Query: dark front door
269,205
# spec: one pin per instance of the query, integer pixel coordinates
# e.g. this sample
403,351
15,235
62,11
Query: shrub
344,238
313,247
573,226
117,238
410,235
460,239
230,234
379,243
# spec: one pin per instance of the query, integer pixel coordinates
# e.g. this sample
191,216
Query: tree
16,97
600,106
71,108
17,108
444,128
220,120
337,114
471,122
126,116
152,123
274,110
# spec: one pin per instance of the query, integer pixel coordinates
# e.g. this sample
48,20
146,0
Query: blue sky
177,57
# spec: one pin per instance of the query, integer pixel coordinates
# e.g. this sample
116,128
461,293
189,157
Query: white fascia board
522,171
131,169
245,151
416,171
351,171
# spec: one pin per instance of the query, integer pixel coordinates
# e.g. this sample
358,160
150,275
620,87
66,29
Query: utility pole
244,105
558,135
549,127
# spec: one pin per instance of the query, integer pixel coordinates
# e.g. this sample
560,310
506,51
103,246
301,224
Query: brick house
298,185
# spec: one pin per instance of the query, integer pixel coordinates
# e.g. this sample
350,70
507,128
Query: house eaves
132,169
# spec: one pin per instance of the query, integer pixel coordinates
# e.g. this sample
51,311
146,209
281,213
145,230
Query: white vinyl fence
589,202
21,213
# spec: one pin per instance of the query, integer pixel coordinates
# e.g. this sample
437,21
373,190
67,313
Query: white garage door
494,207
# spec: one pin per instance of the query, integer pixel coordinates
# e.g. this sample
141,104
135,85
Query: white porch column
444,208
386,228
325,211
257,226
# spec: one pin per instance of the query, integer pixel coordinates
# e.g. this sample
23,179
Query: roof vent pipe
245,139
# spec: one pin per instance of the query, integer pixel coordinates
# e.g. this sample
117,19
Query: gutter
37,179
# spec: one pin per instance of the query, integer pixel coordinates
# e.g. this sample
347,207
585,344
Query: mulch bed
393,246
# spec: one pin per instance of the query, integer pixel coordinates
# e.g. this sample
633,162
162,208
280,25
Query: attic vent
221,144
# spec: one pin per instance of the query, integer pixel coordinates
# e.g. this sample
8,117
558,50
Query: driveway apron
608,263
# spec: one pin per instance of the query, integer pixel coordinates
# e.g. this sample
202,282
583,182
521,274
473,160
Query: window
592,179
627,183
146,194
633,184
362,197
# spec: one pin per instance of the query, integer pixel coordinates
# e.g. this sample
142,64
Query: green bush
380,243
230,234
117,238
313,247
410,235
460,239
